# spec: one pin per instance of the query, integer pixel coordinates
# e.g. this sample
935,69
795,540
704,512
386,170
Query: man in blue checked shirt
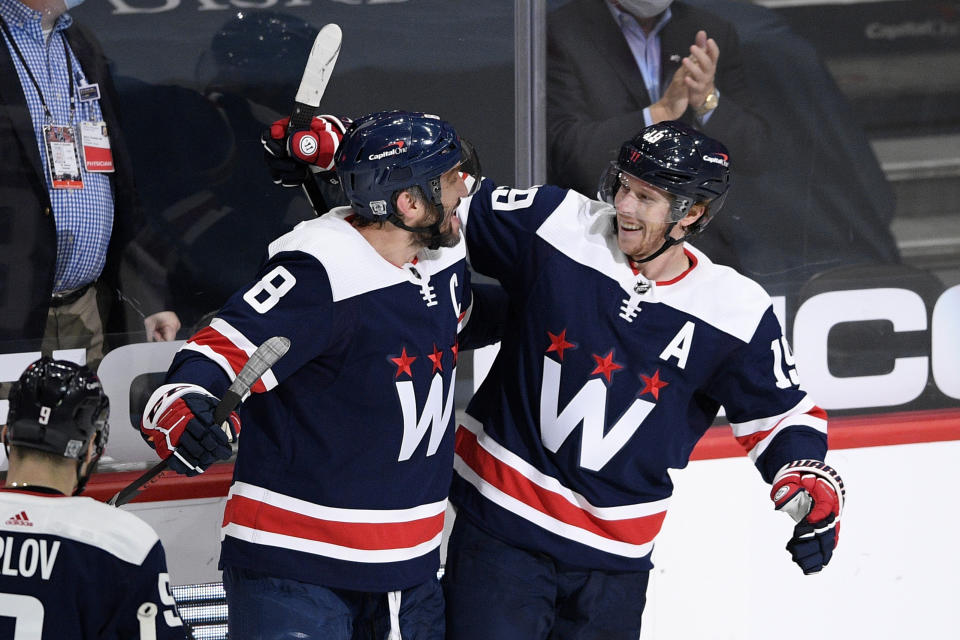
67,203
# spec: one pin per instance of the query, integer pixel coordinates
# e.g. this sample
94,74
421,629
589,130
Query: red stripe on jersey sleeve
750,441
636,531
374,536
222,345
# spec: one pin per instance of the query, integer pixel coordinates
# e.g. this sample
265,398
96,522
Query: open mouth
629,226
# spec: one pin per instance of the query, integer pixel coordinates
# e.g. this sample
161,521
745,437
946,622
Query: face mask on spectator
645,8
71,4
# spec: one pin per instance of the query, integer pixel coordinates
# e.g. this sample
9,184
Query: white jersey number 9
507,199
27,613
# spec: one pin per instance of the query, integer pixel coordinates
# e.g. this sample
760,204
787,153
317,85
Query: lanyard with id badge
70,150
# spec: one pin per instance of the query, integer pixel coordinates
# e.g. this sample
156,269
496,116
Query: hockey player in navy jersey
333,522
72,567
622,343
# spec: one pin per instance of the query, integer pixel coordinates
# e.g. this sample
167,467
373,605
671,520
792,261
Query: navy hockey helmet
58,406
385,152
678,159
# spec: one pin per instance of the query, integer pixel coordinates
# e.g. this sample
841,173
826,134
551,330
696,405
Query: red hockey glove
290,156
813,494
178,422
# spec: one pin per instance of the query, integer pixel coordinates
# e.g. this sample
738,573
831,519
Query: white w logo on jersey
588,406
436,412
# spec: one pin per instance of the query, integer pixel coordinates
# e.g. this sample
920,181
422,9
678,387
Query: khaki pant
76,325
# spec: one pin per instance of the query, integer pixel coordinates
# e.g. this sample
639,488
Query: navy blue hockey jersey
606,380
77,568
344,466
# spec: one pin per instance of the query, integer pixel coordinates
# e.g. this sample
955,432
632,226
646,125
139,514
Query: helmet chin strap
82,479
436,237
667,243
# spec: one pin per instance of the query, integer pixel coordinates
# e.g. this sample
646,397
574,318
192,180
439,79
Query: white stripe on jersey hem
537,477
241,342
367,556
741,429
338,514
544,521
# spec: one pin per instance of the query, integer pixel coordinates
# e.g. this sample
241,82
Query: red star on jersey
436,358
559,343
456,350
653,384
403,363
606,365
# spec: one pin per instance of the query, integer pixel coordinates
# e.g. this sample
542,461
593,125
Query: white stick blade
320,64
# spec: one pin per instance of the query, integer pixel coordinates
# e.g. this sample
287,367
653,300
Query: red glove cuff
809,490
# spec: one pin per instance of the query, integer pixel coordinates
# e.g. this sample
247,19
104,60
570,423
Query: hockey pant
264,607
495,590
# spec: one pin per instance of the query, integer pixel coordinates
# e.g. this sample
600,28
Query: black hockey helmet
386,152
58,406
678,159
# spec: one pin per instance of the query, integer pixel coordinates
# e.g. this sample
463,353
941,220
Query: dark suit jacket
822,201
596,94
28,240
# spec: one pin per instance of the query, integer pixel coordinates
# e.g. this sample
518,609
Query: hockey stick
316,75
262,359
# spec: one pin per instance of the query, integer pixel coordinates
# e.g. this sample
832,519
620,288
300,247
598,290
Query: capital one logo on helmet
718,158
395,151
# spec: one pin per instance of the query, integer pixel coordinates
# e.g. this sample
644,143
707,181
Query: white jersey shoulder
719,296
352,265
584,231
83,520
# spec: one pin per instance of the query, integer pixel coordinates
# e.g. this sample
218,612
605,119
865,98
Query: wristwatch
709,104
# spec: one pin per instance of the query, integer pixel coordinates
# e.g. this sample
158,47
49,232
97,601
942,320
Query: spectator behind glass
69,208
209,179
773,94
615,67
825,200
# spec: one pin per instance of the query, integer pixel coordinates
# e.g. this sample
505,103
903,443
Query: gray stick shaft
262,359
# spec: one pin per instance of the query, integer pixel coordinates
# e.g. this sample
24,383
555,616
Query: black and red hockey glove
813,494
178,422
291,155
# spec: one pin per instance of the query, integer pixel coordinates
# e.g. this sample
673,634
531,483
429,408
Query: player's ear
408,205
696,211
